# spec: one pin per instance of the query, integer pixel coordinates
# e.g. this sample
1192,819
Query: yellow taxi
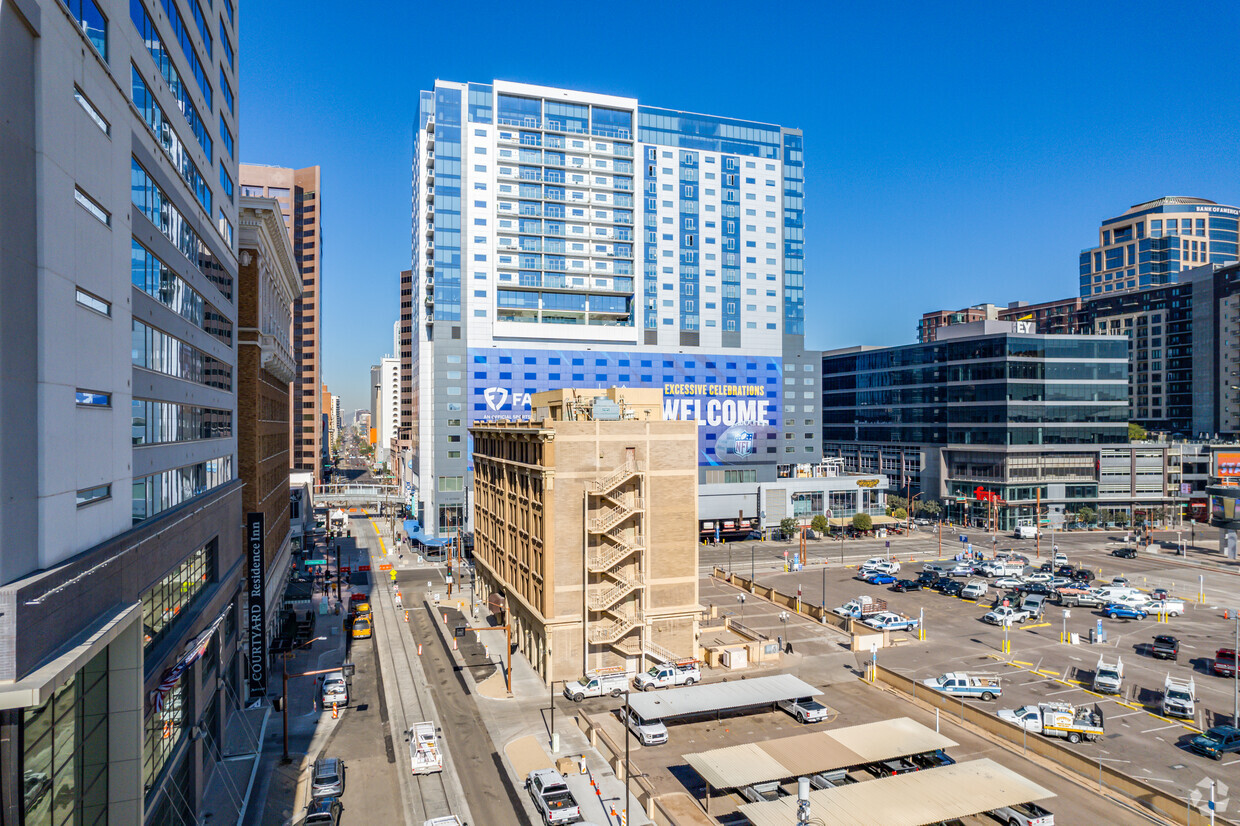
359,610
361,628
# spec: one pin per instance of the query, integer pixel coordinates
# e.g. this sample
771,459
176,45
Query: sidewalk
519,725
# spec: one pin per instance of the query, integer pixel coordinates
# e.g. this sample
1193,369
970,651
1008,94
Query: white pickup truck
1024,814
859,607
613,681
1064,720
1179,698
425,756
681,672
958,684
805,709
1109,677
552,798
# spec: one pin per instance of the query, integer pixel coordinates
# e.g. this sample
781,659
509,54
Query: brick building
269,286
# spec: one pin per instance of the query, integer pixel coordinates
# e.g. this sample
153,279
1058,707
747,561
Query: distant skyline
952,158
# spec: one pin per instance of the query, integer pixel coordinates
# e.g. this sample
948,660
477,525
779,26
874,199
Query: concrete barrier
1142,794
788,601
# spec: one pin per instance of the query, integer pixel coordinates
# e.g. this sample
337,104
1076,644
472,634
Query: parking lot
851,702
1139,740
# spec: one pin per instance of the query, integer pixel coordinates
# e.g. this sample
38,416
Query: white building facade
566,238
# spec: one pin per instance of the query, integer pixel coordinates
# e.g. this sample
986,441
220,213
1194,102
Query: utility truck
860,607
613,681
664,675
552,798
1179,698
1109,677
959,684
425,755
1063,720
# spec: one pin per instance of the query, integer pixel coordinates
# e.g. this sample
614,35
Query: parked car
1039,576
1116,610
1036,588
327,779
932,759
552,798
1217,741
949,587
902,585
1060,558
975,589
1005,616
882,567
1125,553
1224,663
323,811
1009,582
890,768
335,689
805,709
1167,607
1120,581
1083,575
927,578
880,579
1160,593
1165,647
961,569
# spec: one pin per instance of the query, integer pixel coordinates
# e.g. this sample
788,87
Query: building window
94,24
89,204
65,751
163,732
160,491
91,398
89,496
91,302
167,601
90,110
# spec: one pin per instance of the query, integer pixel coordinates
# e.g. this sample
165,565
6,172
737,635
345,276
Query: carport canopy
815,752
912,799
708,699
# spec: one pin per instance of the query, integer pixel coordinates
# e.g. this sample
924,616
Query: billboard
737,400
1227,465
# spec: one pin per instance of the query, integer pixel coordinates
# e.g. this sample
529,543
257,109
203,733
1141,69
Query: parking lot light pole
1235,675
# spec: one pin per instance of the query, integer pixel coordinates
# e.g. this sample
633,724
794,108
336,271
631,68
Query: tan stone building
268,286
299,192
585,522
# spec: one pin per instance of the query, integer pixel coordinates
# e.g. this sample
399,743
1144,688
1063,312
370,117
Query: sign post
256,613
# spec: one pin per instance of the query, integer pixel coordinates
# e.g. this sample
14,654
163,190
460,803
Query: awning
886,520
413,529
912,799
707,699
819,751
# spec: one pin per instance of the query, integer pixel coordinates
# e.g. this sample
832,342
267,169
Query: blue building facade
567,238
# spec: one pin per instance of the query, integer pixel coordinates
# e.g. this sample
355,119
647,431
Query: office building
1064,316
989,410
334,420
406,433
120,505
299,192
387,408
1152,242
268,285
568,238
601,467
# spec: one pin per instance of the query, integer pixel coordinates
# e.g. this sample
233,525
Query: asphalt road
486,785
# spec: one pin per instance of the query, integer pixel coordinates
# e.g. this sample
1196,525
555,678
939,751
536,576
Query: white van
1026,532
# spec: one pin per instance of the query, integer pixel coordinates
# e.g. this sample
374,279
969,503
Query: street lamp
783,618
284,697
910,509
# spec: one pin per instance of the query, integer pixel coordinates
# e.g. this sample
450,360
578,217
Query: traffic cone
335,712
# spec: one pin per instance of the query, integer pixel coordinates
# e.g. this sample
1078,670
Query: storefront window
65,752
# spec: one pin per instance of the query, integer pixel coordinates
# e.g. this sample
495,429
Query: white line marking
1160,728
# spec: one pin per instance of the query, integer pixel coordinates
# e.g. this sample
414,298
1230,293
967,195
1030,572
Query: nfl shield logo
744,442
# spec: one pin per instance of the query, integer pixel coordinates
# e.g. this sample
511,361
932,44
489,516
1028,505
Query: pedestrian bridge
356,495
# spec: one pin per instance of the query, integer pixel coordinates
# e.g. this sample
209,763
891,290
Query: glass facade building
1152,242
564,237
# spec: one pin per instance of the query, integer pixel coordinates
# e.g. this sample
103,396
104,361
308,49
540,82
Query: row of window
160,491
167,137
160,211
161,422
156,279
156,350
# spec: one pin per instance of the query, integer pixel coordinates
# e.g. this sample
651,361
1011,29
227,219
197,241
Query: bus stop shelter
817,752
912,799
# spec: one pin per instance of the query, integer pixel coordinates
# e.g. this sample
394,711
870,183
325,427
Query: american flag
196,648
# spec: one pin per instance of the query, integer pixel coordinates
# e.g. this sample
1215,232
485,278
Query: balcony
430,194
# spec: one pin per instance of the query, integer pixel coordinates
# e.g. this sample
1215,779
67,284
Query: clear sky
956,153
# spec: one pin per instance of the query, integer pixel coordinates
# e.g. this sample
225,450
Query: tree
894,502
900,513
930,509
862,522
1136,433
1121,518
788,525
1086,515
819,524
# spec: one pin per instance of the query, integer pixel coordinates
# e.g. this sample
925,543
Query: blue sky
955,153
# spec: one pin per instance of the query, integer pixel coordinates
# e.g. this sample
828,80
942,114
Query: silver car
328,777
335,690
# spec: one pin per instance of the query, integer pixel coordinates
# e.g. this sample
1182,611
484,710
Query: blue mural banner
736,400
